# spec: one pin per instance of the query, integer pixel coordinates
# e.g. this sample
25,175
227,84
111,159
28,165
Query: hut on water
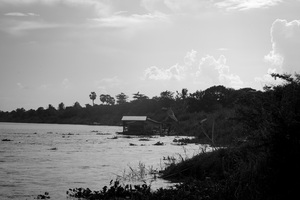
140,125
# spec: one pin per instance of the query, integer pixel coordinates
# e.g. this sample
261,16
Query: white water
52,158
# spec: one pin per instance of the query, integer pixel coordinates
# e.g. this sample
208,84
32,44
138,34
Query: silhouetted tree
121,98
93,96
166,98
183,94
138,96
50,107
110,100
103,98
106,98
61,106
77,105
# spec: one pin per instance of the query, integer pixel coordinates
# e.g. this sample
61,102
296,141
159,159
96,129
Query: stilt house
139,125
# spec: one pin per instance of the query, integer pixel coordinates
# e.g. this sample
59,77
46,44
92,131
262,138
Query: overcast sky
54,51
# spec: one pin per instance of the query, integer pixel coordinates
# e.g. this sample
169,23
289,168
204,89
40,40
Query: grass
248,171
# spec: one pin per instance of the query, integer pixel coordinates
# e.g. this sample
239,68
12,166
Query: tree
77,105
138,96
110,100
166,94
106,98
93,96
51,111
271,119
121,98
103,98
182,95
51,108
61,106
166,98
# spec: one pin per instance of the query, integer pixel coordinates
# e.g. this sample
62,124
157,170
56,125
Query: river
39,158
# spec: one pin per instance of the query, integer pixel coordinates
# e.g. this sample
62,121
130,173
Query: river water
39,158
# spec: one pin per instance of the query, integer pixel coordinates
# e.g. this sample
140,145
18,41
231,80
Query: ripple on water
88,159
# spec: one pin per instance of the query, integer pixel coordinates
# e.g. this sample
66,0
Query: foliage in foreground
265,165
204,190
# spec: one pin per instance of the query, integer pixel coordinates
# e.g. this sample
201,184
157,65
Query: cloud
188,6
19,28
125,21
176,6
215,71
285,39
101,7
246,4
267,79
190,57
19,14
206,71
212,68
175,72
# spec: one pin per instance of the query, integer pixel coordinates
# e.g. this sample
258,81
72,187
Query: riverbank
263,164
245,172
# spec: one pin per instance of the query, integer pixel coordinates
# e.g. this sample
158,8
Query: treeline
110,111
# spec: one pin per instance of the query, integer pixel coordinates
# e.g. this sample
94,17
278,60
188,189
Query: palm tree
93,96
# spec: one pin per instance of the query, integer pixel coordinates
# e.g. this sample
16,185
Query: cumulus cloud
215,71
267,79
285,38
190,57
175,72
206,71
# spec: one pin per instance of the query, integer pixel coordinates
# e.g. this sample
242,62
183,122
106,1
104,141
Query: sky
54,51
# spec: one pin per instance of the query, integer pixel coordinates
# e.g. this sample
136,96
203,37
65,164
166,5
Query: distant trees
139,97
106,98
209,100
61,106
166,98
77,105
93,96
121,98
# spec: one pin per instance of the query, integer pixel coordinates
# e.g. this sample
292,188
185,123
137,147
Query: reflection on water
38,158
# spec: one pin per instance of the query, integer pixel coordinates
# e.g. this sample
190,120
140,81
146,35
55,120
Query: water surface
38,158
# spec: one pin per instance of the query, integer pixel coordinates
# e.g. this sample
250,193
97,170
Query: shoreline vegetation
257,133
